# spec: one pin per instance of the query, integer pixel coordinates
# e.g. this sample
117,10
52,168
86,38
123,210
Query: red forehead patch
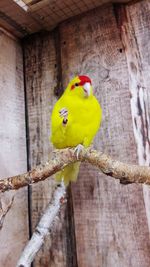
84,79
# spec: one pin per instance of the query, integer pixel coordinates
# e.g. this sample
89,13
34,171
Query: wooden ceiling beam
16,19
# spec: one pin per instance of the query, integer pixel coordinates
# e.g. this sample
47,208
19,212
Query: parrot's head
80,86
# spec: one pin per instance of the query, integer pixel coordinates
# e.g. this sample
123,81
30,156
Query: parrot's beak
87,89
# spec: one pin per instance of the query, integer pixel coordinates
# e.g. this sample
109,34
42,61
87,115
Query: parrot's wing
60,121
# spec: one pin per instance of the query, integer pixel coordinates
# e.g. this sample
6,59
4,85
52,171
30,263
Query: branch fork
59,159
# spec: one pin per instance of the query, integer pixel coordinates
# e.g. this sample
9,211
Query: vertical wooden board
41,80
135,32
14,225
110,219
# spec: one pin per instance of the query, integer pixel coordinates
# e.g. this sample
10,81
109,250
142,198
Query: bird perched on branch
75,120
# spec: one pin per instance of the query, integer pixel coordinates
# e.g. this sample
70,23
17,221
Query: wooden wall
107,214
105,223
13,205
41,81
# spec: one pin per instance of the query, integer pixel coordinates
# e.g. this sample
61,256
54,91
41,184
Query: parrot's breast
84,117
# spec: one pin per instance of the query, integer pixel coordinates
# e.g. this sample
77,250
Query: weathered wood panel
42,14
41,82
16,20
110,219
134,22
13,221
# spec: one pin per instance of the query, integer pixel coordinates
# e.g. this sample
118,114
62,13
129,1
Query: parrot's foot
64,114
78,149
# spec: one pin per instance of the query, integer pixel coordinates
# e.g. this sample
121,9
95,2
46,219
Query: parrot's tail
69,173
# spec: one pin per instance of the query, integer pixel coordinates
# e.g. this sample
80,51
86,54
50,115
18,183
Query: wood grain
107,215
134,27
42,15
13,206
41,81
16,20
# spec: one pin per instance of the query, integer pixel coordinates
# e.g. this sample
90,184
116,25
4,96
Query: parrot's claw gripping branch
62,157
78,150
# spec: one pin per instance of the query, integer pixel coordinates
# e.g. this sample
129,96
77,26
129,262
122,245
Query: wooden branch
60,158
44,226
5,210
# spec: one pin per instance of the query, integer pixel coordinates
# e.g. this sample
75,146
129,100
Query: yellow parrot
75,120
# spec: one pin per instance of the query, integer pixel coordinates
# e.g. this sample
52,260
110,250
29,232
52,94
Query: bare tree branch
44,226
5,210
60,158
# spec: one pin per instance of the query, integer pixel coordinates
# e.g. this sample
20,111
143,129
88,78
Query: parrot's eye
74,85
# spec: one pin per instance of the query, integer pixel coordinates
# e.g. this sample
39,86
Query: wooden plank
41,80
14,226
134,22
39,14
110,219
16,19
